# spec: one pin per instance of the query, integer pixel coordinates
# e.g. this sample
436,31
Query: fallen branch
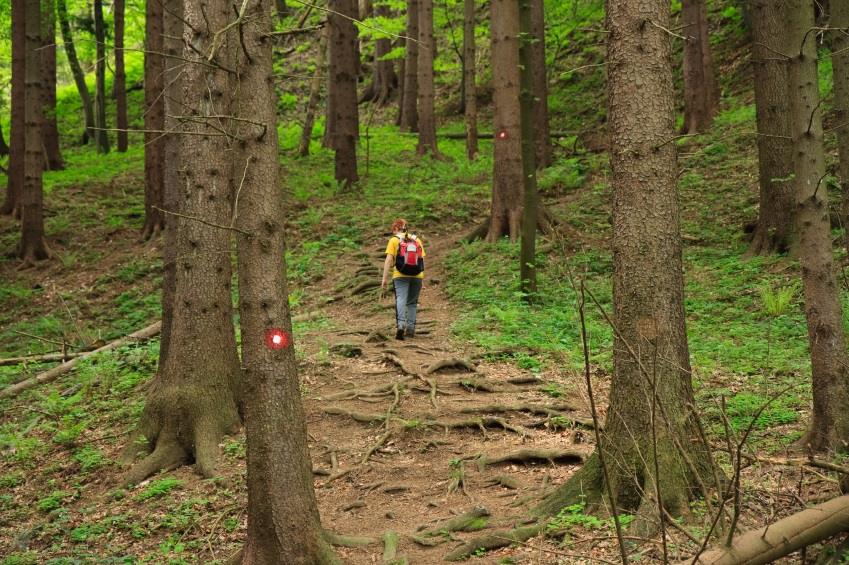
56,372
47,357
781,538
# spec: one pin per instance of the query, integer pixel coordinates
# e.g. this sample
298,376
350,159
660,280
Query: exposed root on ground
551,456
470,521
451,363
494,540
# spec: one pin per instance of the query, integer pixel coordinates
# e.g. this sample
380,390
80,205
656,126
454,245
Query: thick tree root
479,423
451,363
495,540
783,537
528,455
473,520
358,394
362,417
398,362
552,410
505,481
340,540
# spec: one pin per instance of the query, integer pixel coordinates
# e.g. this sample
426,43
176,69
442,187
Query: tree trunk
385,81
343,83
529,101
402,70
283,520
840,67
315,94
506,214
470,88
409,108
33,248
774,231
427,114
192,402
76,70
650,347
50,131
120,79
829,427
100,134
541,122
701,93
154,121
17,136
4,149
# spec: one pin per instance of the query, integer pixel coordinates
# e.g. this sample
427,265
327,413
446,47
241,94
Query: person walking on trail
405,257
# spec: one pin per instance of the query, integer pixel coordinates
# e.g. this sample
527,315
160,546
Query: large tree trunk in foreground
192,402
154,121
765,545
315,93
33,247
410,94
648,287
76,69
506,214
120,80
50,131
343,84
541,123
829,427
701,94
528,60
774,230
283,520
101,136
427,113
17,136
470,90
840,67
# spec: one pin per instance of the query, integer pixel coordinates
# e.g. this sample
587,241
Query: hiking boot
400,334
411,332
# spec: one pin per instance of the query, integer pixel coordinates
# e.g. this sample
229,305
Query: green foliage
743,406
90,458
53,501
158,488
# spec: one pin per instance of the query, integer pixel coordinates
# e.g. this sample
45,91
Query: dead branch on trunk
783,537
56,372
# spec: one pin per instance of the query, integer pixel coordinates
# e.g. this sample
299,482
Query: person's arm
387,269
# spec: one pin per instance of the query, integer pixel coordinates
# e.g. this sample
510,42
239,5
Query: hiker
405,256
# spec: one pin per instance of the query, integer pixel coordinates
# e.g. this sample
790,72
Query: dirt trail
397,443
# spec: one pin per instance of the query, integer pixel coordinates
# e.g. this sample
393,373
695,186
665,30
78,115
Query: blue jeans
406,301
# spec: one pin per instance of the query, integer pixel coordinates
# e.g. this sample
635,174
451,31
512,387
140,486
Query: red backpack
409,260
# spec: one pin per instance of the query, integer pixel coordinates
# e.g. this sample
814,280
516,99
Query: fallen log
56,372
781,538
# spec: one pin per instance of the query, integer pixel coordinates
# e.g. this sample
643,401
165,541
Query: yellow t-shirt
392,249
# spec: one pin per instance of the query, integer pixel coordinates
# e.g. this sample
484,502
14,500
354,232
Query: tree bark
50,132
470,88
427,113
528,102
154,121
540,78
193,401
829,426
840,68
100,135
774,231
283,519
33,247
384,80
315,93
701,92
120,79
17,135
76,70
343,84
650,347
506,214
409,107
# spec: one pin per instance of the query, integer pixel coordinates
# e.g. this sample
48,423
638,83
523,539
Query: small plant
571,516
52,501
11,480
159,488
235,448
553,390
90,458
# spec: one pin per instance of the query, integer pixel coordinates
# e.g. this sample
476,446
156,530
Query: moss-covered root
585,485
494,540
326,557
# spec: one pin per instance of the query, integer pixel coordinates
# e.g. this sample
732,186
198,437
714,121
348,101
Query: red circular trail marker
276,338
502,134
